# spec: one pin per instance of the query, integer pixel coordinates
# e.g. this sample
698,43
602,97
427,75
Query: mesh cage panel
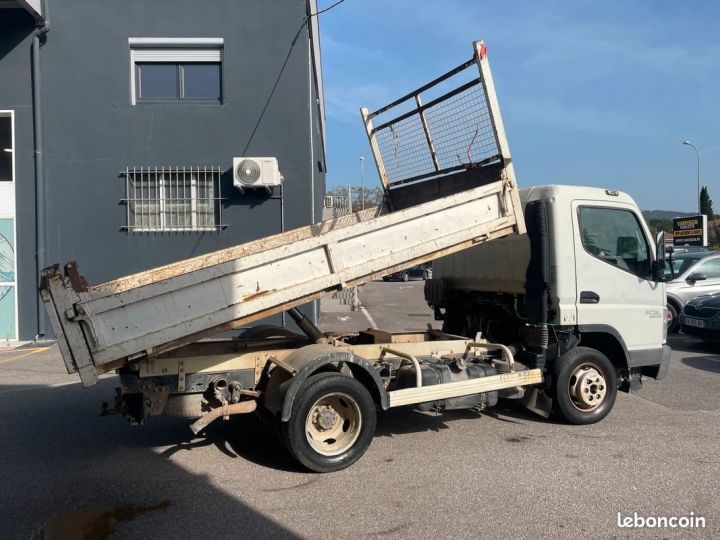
456,127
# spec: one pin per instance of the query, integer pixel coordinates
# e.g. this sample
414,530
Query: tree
706,203
659,224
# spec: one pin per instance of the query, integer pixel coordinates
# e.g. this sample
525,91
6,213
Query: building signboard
690,231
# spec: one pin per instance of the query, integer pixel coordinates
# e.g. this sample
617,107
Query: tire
673,324
405,276
350,424
584,402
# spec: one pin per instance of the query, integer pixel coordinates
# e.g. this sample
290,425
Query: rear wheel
405,276
331,424
585,386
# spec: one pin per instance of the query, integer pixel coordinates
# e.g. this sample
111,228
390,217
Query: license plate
698,323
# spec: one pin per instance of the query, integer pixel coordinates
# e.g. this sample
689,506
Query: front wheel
405,276
332,422
585,386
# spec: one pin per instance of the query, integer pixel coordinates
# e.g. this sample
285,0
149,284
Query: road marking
366,313
368,317
11,350
33,351
56,385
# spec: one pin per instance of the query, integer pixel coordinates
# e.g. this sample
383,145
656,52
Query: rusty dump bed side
102,327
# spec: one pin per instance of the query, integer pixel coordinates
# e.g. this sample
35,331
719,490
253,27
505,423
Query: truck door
613,261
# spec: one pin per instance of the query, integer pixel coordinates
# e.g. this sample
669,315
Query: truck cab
585,277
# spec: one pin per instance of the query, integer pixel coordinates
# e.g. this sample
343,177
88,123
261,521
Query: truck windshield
616,237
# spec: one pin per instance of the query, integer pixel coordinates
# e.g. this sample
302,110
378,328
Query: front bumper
659,371
709,332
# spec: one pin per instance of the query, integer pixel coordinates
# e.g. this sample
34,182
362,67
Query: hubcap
333,424
587,388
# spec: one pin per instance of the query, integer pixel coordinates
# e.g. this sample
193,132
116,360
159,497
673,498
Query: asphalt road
504,473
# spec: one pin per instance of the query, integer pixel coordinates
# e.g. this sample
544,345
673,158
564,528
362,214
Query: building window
173,199
176,69
171,82
6,147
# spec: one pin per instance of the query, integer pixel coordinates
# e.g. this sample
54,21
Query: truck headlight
668,317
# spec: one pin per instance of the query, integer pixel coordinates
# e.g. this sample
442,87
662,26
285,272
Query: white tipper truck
447,172
580,296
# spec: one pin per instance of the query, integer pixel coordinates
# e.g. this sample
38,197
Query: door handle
589,297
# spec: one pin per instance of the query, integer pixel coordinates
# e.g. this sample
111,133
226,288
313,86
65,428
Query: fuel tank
438,372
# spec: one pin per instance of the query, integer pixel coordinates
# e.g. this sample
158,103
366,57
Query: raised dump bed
430,213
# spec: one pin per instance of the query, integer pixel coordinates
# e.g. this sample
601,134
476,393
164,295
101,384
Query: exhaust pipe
225,411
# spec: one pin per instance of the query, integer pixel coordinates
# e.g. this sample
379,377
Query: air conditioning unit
256,172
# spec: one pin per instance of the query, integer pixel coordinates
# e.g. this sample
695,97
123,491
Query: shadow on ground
68,473
705,363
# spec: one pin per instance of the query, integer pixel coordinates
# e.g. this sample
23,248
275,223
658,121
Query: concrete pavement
501,473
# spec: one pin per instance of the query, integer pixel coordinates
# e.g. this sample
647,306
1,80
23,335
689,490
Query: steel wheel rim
587,387
333,424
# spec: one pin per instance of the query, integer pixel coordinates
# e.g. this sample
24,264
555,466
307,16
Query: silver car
695,274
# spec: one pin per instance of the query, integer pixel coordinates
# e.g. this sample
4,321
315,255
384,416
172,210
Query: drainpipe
315,303
38,39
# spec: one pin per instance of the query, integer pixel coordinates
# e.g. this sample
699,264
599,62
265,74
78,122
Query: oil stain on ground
92,526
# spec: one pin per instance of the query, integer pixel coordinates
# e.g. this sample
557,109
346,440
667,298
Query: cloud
344,49
342,103
560,116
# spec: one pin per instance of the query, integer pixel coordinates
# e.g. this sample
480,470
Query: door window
615,237
710,268
6,148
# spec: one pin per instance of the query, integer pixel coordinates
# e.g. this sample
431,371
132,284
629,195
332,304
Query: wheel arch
306,361
608,341
672,299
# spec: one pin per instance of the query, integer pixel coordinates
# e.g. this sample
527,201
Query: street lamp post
362,176
697,154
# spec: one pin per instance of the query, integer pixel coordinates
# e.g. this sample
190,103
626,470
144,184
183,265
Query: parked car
693,274
419,271
701,318
677,250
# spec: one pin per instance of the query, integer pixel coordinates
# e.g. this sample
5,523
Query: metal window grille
340,203
445,126
168,199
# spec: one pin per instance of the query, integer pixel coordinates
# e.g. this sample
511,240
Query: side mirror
658,271
696,276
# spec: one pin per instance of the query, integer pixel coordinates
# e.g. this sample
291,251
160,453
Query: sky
596,93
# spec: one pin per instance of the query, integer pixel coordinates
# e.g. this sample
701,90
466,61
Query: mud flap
537,401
